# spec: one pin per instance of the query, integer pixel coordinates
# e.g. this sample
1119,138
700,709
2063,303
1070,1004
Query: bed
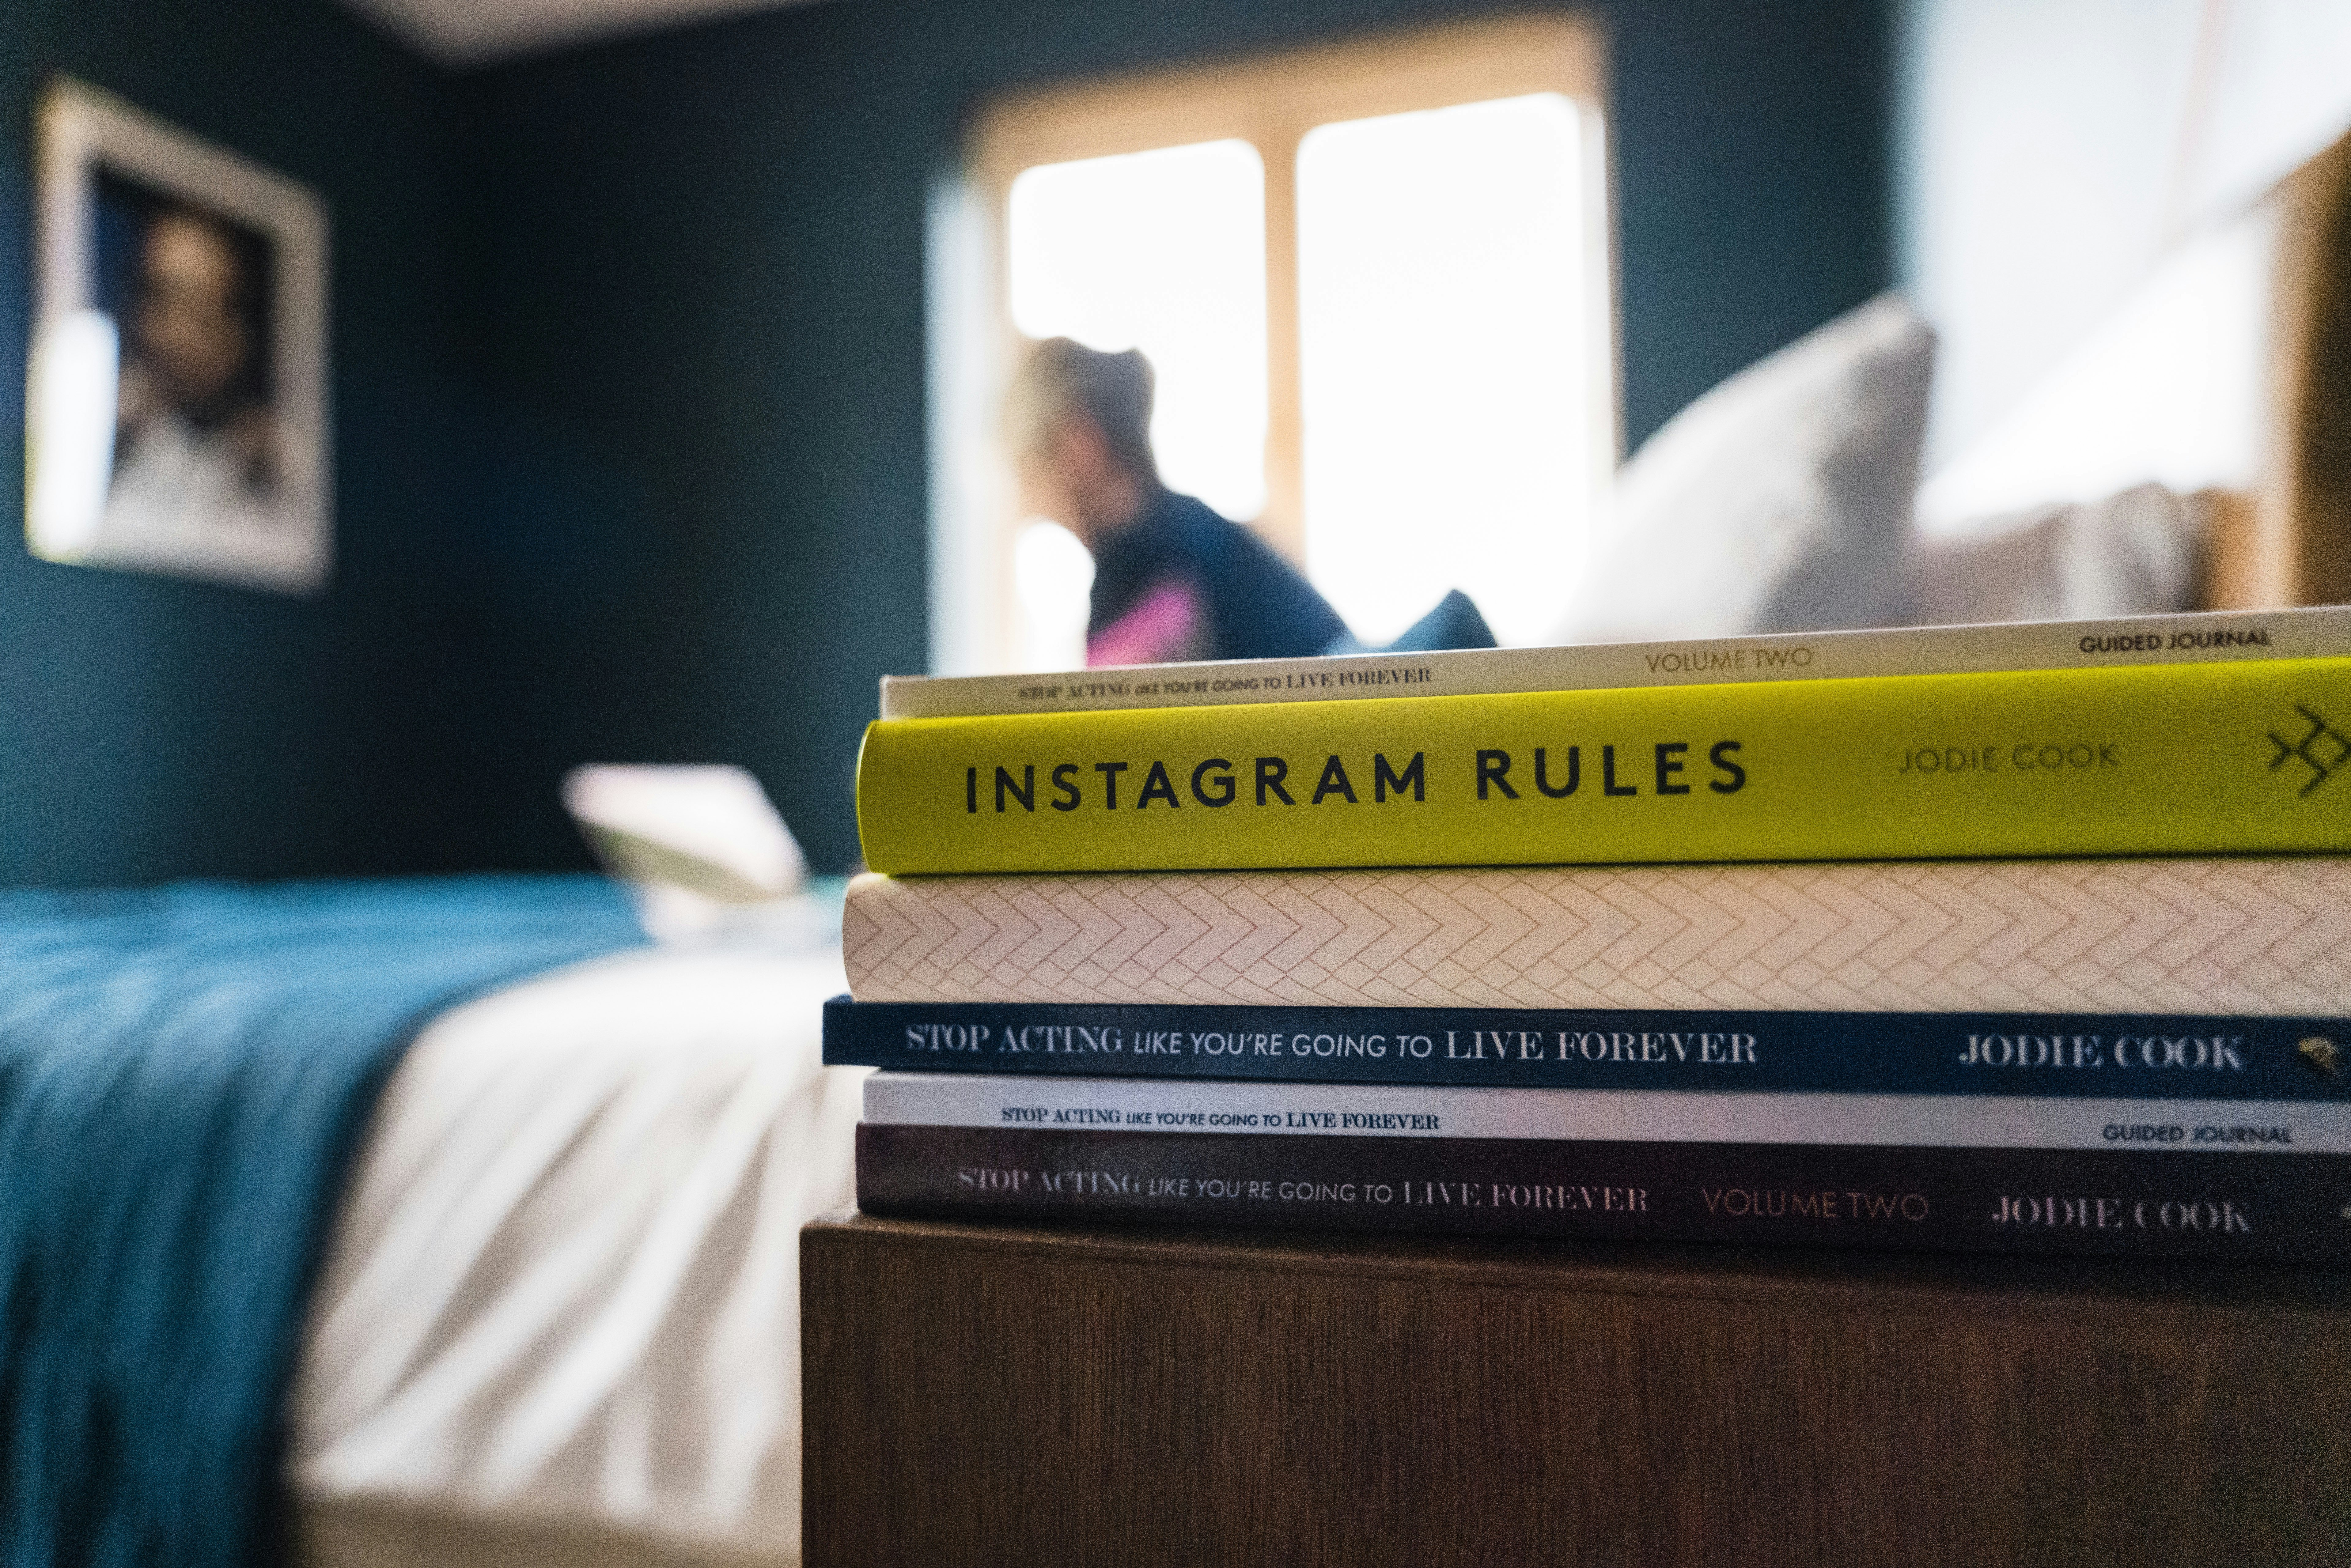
560,1313
444,1220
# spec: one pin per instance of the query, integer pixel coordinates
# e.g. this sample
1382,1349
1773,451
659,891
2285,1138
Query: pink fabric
1168,624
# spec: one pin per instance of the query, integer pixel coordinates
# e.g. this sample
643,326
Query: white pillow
2132,554
1778,502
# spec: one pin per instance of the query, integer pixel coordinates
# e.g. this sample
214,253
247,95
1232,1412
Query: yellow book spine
2177,759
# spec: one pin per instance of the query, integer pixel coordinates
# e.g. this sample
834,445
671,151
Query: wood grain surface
991,1394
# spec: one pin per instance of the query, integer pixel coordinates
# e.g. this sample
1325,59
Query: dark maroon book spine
2265,1206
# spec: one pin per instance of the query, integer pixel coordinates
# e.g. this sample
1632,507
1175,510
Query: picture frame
177,410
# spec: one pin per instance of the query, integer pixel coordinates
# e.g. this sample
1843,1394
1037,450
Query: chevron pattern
2179,935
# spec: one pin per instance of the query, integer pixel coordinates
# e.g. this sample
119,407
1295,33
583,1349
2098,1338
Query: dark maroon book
2267,1205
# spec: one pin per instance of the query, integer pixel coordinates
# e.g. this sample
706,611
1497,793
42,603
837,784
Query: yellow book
2120,760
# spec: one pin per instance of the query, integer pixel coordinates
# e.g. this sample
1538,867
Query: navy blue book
2122,1056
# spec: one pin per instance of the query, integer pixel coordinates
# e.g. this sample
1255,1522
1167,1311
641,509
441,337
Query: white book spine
1631,1115
2203,936
2201,638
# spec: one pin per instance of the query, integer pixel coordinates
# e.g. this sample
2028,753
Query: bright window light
1446,436
1164,251
1053,574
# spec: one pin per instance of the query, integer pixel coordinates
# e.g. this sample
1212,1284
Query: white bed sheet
564,1288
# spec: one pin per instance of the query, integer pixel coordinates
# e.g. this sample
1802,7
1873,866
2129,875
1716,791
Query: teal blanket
184,1075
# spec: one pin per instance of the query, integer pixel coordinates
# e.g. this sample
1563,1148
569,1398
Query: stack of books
2021,938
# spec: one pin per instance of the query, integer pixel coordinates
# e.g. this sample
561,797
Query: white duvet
565,1286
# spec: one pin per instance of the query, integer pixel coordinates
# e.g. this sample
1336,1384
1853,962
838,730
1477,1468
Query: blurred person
198,460
1173,579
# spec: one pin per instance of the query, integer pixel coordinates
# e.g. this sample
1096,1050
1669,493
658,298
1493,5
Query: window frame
1272,101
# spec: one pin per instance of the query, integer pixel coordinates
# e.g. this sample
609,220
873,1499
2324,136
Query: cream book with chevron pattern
2158,936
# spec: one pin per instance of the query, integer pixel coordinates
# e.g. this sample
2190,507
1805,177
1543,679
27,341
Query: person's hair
1062,377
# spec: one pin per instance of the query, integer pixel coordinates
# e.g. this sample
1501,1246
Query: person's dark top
1182,582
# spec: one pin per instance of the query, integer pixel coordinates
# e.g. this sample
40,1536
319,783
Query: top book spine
2201,638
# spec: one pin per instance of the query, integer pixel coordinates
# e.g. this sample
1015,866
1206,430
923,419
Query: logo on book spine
2321,748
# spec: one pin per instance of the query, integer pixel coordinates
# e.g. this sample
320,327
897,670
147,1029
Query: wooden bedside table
999,1395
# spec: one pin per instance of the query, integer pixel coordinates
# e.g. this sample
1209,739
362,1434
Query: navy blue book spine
2116,1056
2243,1207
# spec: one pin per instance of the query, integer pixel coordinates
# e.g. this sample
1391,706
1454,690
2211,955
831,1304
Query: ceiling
476,32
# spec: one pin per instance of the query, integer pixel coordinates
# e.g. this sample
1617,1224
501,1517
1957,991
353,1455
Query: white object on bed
564,1290
2132,554
700,848
1778,502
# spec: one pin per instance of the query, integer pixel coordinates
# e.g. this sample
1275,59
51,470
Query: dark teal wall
153,727
702,301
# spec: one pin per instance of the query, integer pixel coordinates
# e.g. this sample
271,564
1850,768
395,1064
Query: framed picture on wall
176,405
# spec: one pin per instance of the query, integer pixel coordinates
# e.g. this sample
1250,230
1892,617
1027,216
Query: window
1374,280
1164,251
